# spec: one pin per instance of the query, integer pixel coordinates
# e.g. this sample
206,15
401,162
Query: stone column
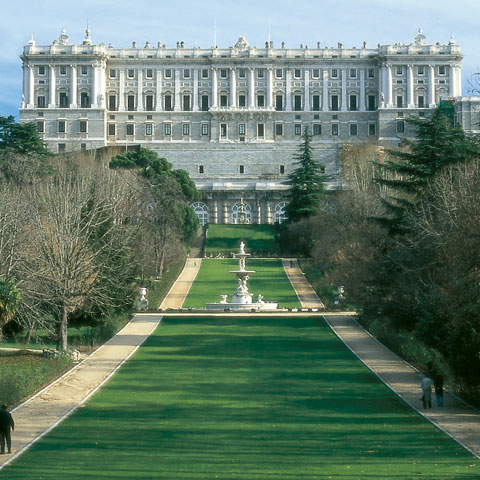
178,105
269,213
325,91
31,88
140,90
458,82
196,106
288,90
344,90
410,99
233,88
389,87
225,213
362,90
52,99
215,213
431,87
73,87
251,88
259,214
270,88
214,88
452,80
307,91
158,103
95,87
121,90
102,88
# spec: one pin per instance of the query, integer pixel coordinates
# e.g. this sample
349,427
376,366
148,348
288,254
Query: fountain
242,299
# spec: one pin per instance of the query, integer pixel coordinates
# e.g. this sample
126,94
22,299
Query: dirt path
42,412
456,418
305,293
179,291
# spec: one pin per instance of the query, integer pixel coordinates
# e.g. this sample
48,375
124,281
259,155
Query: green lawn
259,239
214,279
248,398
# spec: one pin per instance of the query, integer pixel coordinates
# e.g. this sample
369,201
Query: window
353,102
316,103
372,130
352,73
298,129
149,103
279,102
41,70
279,129
186,103
242,73
334,128
186,73
167,129
205,73
241,129
84,70
242,101
260,130
399,101
112,102
334,99
297,102
282,169
421,101
441,70
112,73
278,73
62,126
371,102
399,70
41,126
186,129
400,126
260,100
260,73
223,130
168,103
111,129
371,73
83,126
334,73
130,129
421,70
131,102
353,129
316,73
317,129
223,100
201,169
131,73
297,73
149,73
63,70
63,100
241,169
84,100
41,101
204,128
61,147
223,73
204,103
168,73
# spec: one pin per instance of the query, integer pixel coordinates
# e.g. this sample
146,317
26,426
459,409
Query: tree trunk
62,331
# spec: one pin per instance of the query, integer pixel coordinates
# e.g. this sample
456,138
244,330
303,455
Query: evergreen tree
20,138
439,144
306,183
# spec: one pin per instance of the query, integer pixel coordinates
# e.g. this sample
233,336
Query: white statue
260,299
242,247
224,298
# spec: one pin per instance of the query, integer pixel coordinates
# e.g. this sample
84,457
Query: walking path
45,410
179,291
305,293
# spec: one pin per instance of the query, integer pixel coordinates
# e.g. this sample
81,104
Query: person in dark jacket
6,425
438,385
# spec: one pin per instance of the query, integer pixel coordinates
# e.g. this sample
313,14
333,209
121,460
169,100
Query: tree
21,138
306,183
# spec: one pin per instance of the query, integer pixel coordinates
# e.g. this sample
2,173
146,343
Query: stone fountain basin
242,306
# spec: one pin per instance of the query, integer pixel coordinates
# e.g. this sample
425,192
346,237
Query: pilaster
344,90
52,92
73,86
307,90
196,106
325,91
410,99
251,88
362,90
233,88
431,86
178,102
158,103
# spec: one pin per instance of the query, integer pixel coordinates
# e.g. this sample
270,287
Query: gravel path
305,293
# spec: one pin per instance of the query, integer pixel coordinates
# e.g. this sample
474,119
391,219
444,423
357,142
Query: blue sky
302,21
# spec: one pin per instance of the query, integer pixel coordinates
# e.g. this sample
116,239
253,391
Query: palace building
233,117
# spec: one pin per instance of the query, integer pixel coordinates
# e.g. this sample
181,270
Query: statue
224,298
260,298
242,247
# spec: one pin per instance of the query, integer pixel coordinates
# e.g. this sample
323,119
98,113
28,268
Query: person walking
427,383
438,386
6,424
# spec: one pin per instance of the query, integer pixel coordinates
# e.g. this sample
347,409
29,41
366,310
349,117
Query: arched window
237,213
201,210
280,215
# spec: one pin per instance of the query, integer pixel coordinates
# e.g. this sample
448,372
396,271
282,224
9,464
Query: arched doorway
201,210
237,213
279,213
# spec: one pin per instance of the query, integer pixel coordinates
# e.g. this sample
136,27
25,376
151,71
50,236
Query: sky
306,22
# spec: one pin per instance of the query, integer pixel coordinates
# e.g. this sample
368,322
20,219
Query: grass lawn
214,279
248,398
226,238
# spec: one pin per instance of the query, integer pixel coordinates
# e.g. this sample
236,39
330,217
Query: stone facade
233,117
